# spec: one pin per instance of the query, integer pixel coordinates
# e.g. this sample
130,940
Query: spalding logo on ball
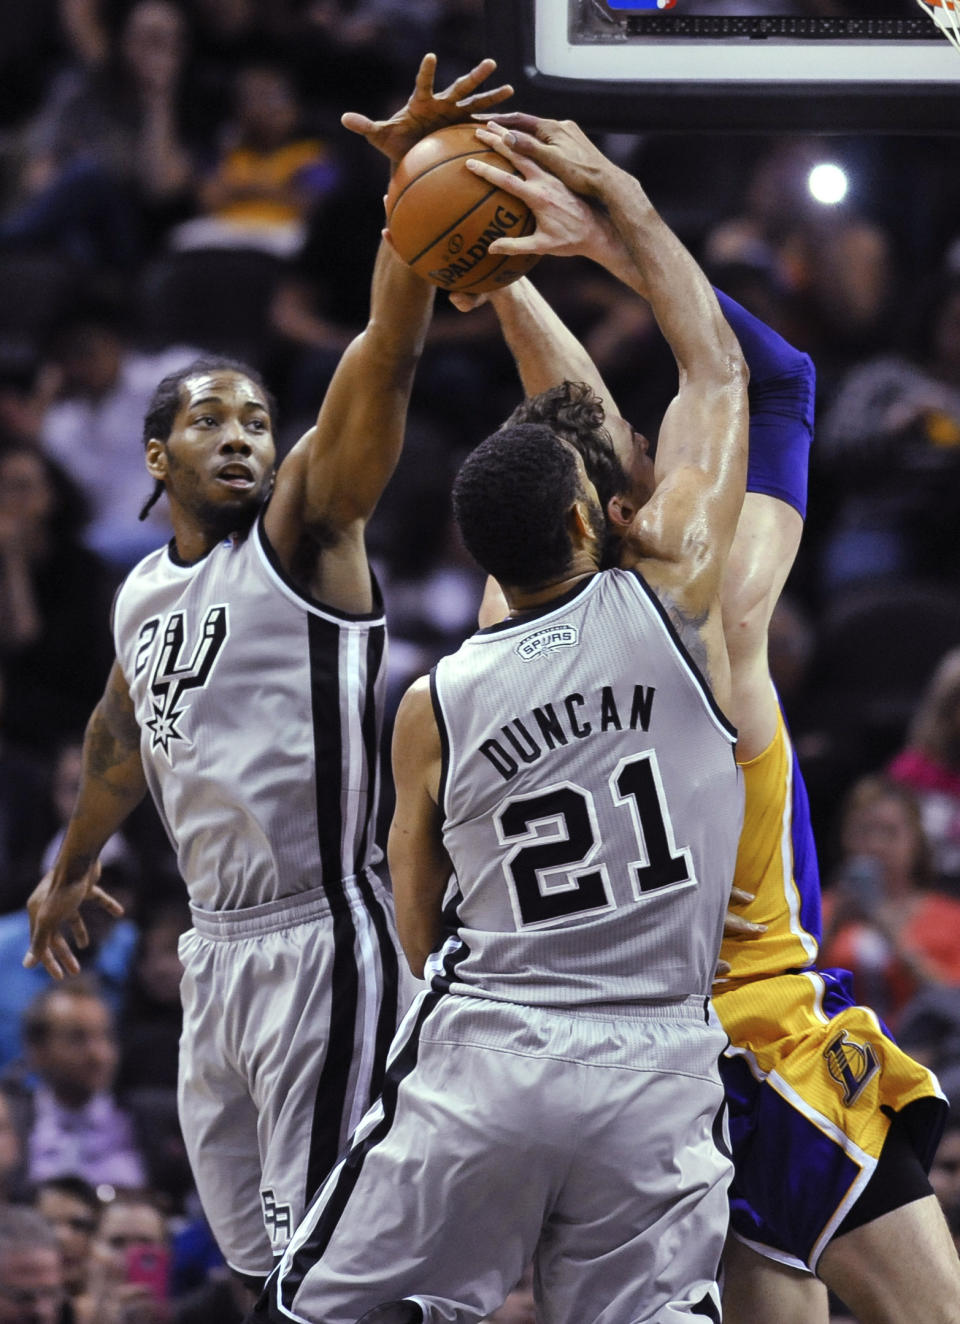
443,218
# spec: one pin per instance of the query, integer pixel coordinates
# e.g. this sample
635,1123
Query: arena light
827,183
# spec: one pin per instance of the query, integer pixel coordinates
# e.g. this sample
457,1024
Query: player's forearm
401,306
112,784
652,260
418,940
418,898
544,349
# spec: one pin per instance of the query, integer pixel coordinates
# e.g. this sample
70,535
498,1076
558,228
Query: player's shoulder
416,718
138,580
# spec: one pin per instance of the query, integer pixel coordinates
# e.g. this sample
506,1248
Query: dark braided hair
165,401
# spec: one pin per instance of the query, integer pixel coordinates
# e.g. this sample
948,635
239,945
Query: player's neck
521,601
194,537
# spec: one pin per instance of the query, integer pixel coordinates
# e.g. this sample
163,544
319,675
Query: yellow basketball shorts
812,1081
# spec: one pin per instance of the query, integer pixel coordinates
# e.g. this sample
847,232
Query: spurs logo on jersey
852,1065
537,645
171,678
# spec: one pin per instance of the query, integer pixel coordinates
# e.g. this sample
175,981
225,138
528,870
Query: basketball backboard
767,65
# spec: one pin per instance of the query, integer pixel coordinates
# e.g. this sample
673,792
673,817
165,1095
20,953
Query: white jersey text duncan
592,805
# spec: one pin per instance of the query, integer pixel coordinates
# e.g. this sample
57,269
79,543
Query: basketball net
946,15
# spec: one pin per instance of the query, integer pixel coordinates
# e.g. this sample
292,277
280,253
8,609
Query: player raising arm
823,1104
574,770
248,696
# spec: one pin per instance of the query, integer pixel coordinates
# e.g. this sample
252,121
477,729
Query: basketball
443,218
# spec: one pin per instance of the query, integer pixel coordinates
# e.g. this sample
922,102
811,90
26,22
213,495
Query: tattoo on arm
690,629
113,735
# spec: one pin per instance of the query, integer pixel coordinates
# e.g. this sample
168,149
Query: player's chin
230,512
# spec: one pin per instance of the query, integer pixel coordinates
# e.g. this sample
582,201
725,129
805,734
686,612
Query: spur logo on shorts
851,1065
172,678
277,1218
537,645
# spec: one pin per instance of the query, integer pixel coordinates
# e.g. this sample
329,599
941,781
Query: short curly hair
575,412
510,500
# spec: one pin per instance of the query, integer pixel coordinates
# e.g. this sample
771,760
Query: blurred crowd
174,179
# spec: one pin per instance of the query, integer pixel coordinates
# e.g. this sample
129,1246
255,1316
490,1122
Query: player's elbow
733,371
417,961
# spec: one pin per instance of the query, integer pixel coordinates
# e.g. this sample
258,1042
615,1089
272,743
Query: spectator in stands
105,166
111,944
834,262
55,646
72,1208
12,1165
890,441
31,1270
270,173
66,1113
92,429
882,920
27,386
128,1279
930,765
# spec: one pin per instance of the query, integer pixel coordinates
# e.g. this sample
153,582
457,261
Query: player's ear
156,456
579,523
621,511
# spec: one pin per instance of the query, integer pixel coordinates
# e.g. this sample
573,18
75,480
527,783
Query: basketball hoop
946,15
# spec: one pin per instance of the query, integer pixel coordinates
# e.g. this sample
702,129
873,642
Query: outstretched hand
427,110
567,224
50,909
559,146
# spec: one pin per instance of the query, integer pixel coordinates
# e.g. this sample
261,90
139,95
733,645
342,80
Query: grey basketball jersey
260,716
592,805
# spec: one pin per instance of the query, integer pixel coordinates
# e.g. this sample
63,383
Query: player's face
220,454
639,468
589,495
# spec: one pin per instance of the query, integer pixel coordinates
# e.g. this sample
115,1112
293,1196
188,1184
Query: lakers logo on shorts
851,1065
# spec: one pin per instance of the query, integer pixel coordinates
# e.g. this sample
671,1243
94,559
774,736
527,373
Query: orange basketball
443,218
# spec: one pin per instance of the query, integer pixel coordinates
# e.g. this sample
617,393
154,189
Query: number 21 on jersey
553,866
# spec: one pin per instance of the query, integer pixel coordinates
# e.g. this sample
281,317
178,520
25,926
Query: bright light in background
828,183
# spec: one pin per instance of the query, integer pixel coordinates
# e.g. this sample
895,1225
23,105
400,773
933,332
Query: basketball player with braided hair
247,696
832,1125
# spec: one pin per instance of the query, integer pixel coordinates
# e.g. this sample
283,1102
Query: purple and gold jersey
812,1079
777,863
